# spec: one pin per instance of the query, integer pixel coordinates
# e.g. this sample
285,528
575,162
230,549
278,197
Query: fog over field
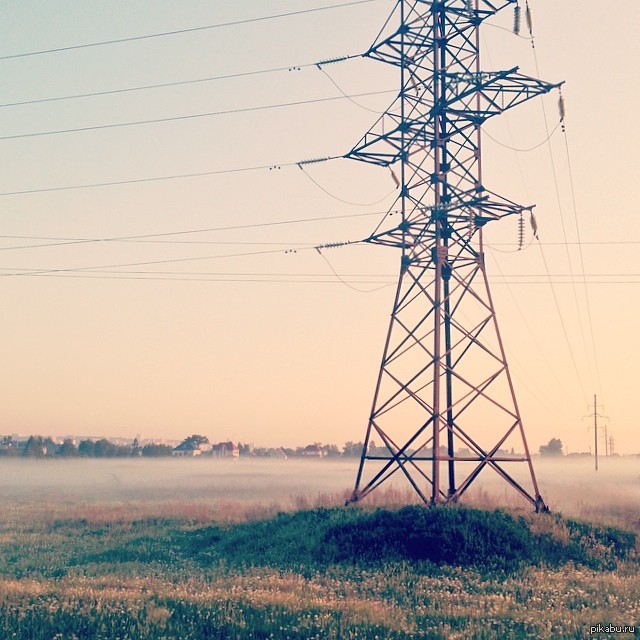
61,487
191,548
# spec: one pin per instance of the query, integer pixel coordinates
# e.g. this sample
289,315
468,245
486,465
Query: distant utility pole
611,451
595,415
606,442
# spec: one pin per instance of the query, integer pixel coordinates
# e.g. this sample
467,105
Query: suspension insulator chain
520,231
517,15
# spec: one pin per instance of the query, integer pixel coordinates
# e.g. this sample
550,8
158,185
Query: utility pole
595,427
606,442
595,415
444,406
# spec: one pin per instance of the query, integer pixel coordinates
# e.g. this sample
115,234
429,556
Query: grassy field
97,567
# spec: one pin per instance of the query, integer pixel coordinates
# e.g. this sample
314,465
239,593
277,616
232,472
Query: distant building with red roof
225,450
313,451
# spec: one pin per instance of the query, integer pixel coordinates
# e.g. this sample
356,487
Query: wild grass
161,568
322,573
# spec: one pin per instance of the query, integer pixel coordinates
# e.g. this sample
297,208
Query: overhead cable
347,96
525,322
53,241
190,116
346,282
177,176
175,32
35,272
152,237
529,20
177,83
580,253
98,274
162,85
332,195
561,318
536,146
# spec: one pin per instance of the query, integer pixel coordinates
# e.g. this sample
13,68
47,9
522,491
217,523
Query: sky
160,279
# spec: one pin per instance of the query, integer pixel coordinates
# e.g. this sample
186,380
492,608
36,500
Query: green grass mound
453,536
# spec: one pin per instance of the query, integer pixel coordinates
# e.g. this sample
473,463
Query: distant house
312,451
186,449
9,446
225,450
277,452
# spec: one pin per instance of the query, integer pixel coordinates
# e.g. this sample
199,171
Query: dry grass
347,602
551,604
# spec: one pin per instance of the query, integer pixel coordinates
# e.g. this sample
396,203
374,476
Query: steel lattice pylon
444,400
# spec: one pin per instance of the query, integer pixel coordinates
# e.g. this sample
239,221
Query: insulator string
520,231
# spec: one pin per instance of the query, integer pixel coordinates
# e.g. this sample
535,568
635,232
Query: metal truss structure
444,403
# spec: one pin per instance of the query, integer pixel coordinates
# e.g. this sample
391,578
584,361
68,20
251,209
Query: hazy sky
198,304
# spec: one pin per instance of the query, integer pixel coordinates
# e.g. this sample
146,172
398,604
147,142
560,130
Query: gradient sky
246,332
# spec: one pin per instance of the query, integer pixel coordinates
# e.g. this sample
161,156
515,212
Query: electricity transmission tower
444,407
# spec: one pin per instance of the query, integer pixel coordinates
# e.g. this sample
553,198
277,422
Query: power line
253,280
178,83
558,282
163,242
580,253
346,282
571,275
518,149
104,269
389,278
340,89
162,85
149,238
53,241
332,195
101,274
564,232
183,31
31,272
177,176
191,116
562,323
590,242
523,317
246,273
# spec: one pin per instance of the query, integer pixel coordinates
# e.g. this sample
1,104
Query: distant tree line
350,449
45,447
39,447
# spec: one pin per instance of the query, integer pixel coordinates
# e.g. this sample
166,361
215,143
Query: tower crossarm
461,215
470,100
414,36
479,96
